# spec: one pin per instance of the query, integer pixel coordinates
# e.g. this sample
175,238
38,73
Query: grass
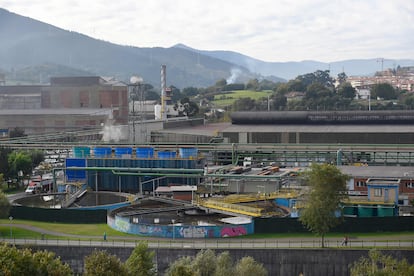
227,99
70,229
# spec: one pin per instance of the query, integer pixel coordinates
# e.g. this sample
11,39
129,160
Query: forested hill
32,51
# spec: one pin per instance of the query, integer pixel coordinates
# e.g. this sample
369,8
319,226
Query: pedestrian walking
104,236
345,241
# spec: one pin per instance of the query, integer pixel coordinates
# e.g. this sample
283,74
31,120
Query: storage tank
145,152
81,152
100,152
123,152
188,152
166,154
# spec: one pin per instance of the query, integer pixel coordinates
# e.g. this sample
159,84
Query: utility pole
382,63
135,83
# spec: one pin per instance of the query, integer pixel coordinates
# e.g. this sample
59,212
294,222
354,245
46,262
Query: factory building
304,127
67,103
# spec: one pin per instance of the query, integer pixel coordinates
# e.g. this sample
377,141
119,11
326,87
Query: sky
269,30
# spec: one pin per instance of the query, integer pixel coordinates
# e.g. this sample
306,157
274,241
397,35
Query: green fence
58,215
350,225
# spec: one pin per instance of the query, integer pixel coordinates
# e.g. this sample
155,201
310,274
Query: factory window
378,192
409,185
361,183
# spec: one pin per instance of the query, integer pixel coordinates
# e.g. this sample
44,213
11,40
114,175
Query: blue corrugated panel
123,151
166,154
188,152
74,175
81,152
145,152
100,152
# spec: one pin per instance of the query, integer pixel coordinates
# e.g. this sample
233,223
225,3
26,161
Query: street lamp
11,231
173,223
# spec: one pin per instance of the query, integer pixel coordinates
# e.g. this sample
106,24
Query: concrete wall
185,231
277,261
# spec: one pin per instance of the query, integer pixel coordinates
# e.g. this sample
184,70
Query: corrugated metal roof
320,128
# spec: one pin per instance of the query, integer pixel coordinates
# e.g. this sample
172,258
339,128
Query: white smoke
234,74
111,133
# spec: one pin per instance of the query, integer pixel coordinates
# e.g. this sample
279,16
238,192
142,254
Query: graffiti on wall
122,225
233,231
193,232
149,230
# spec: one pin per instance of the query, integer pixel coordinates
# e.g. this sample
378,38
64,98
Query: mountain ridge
29,43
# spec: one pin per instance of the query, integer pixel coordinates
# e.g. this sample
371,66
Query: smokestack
163,88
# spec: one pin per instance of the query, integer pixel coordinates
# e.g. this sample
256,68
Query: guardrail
217,243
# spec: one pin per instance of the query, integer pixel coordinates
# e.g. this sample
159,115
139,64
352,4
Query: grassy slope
227,99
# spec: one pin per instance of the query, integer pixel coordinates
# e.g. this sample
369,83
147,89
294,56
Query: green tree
342,77
296,85
384,91
190,91
378,264
279,101
247,266
205,263
19,161
407,101
37,157
140,262
46,263
318,97
244,104
190,108
101,263
346,90
4,205
15,261
224,265
4,163
328,188
319,76
253,84
181,267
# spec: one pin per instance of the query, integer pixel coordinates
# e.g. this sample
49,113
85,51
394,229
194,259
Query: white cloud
283,30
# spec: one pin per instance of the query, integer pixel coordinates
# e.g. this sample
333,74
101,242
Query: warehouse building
68,103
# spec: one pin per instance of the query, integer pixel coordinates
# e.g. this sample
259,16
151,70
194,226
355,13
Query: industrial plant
157,174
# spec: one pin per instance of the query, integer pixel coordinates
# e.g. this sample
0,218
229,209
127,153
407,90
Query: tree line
312,91
25,261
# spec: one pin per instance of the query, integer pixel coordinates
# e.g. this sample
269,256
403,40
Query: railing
217,243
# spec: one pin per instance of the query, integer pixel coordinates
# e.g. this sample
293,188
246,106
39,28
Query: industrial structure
238,171
67,104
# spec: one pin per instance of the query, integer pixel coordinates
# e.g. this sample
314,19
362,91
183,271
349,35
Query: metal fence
216,243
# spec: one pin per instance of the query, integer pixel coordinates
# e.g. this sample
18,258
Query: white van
32,189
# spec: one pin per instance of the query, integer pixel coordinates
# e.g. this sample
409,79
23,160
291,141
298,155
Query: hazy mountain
31,50
27,42
290,70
